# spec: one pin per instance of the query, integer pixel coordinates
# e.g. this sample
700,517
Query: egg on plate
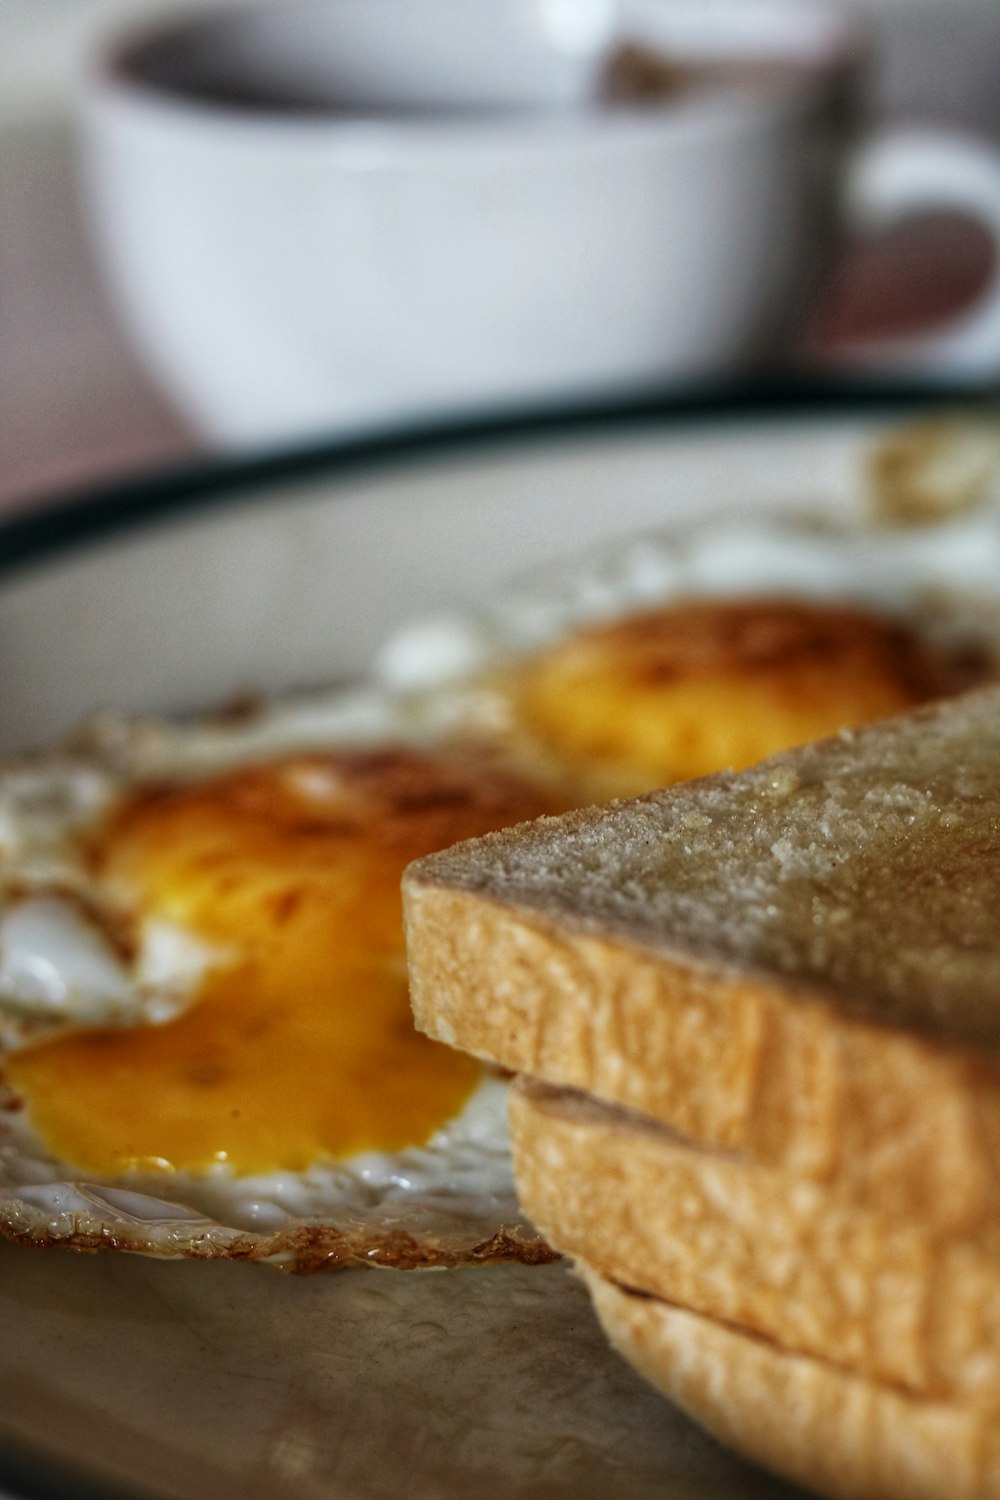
669,694
207,1046
205,994
670,657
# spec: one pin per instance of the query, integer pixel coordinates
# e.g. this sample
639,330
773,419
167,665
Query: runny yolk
299,1045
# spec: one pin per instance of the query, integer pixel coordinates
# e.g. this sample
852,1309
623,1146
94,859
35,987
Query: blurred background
77,404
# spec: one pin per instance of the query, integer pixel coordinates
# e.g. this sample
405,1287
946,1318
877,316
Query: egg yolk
299,1045
699,687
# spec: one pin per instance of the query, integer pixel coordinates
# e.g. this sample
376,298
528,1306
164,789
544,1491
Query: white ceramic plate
291,572
125,1375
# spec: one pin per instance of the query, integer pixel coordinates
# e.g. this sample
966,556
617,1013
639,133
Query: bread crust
799,962
892,1121
886,1298
837,1433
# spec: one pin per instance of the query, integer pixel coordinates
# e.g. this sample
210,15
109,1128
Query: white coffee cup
321,218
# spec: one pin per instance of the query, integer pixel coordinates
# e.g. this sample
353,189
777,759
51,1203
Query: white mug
319,218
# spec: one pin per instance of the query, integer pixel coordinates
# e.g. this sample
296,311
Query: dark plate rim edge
81,517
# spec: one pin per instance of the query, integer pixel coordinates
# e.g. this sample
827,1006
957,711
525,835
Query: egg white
945,577
452,1198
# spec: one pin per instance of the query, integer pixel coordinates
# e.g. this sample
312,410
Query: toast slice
800,962
751,1246
835,1432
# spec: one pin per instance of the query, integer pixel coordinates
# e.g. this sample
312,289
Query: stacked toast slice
758,1023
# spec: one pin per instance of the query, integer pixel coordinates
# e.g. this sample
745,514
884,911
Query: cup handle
910,170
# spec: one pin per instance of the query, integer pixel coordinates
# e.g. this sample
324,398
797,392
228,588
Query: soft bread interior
838,1433
757,1248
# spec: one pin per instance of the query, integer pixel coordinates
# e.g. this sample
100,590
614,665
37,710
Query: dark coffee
637,75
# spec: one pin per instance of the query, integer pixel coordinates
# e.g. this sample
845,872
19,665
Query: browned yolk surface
299,1045
705,686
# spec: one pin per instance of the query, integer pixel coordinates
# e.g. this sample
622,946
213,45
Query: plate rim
82,516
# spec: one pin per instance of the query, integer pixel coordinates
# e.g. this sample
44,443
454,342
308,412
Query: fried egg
666,658
206,1041
669,694
206,1002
